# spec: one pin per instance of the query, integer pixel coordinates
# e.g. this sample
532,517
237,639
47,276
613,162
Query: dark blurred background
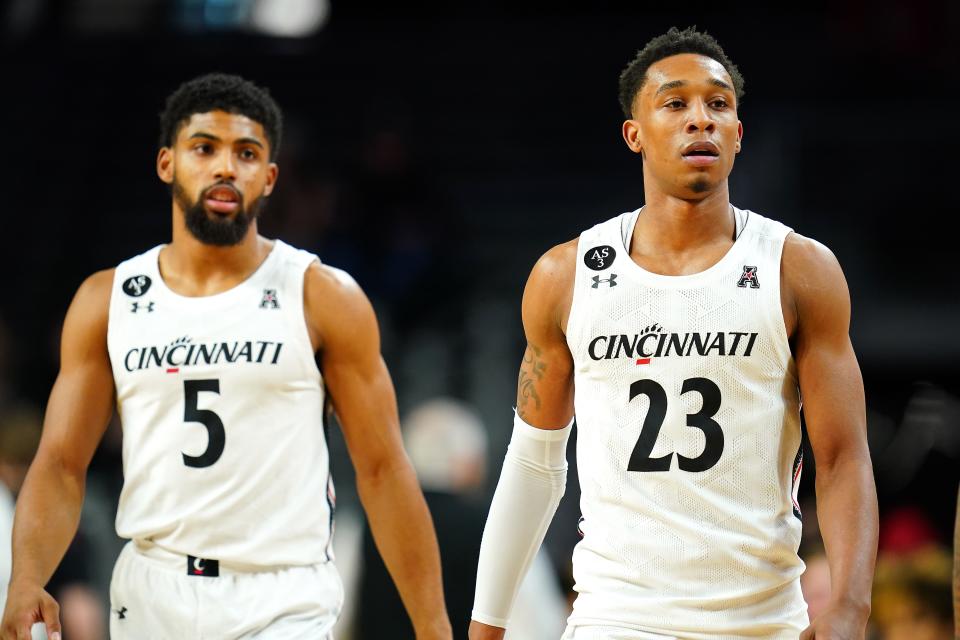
436,150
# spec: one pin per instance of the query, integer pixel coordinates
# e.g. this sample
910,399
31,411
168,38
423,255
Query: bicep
357,379
545,381
82,398
831,384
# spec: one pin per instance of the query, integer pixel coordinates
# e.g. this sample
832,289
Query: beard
700,185
210,228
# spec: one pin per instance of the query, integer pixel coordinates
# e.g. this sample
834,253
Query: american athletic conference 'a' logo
269,300
749,277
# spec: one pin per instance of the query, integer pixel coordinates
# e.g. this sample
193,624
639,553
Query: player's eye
203,148
675,104
719,103
248,154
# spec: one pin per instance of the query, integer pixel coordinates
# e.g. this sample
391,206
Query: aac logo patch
599,258
749,278
136,286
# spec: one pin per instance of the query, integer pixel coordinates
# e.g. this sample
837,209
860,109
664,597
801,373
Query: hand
480,631
837,622
27,605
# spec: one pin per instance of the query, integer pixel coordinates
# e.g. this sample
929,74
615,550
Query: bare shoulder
810,265
96,288
801,253
92,300
815,286
329,282
334,303
549,292
558,265
85,327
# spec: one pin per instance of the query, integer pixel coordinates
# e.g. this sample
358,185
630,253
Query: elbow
51,465
375,473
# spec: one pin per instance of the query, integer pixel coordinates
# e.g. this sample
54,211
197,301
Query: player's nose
700,118
225,167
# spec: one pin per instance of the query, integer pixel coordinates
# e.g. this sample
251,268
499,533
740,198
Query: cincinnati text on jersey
660,344
183,353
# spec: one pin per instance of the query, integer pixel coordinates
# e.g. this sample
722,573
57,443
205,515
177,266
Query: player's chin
222,216
700,187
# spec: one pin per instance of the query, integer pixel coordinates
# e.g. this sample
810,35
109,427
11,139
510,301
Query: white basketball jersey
222,407
688,445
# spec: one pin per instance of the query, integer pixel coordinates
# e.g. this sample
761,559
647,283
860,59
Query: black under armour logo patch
749,277
121,613
136,307
269,300
202,567
612,281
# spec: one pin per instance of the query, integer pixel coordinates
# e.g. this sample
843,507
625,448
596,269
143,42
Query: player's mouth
701,154
222,198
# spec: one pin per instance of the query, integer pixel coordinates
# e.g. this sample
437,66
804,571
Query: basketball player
682,336
207,345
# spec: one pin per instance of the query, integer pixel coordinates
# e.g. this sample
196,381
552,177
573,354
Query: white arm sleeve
532,482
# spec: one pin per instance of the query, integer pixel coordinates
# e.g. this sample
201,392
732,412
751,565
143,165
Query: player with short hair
682,336
208,347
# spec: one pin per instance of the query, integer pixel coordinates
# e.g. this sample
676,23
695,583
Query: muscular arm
343,326
545,383
48,508
530,487
833,402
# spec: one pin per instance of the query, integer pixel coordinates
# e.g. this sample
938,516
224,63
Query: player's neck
672,225
191,268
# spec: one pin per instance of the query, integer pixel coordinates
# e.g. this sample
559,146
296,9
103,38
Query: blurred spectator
82,611
905,530
911,595
447,444
19,437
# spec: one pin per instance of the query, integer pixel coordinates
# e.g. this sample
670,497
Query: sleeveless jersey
688,445
222,406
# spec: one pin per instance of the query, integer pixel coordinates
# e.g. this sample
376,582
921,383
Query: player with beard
682,336
206,347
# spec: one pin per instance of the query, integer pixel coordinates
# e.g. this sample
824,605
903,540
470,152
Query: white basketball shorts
592,632
159,595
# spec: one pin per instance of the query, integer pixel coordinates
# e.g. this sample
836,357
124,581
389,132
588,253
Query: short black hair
221,92
672,43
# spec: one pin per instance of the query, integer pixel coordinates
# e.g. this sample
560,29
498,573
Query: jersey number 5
640,459
215,432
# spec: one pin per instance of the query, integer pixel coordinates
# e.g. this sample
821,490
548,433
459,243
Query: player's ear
165,164
739,136
632,135
272,171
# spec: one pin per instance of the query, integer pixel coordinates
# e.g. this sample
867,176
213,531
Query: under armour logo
136,306
121,613
749,277
597,280
269,300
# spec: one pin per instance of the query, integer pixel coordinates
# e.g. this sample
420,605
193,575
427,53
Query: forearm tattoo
531,374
